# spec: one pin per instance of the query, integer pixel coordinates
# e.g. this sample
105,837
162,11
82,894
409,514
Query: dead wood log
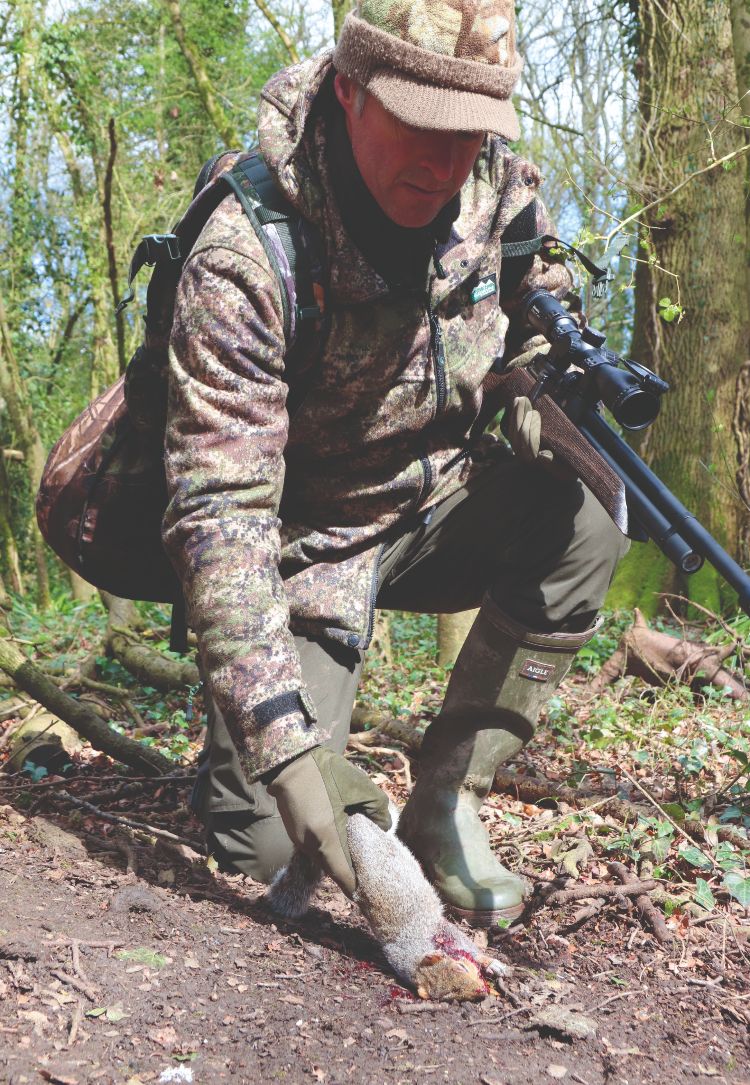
150,667
659,658
80,717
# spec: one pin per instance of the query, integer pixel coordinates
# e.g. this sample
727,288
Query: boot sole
482,919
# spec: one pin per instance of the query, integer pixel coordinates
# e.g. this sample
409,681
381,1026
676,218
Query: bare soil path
129,963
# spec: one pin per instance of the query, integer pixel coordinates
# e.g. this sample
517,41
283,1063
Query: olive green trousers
544,549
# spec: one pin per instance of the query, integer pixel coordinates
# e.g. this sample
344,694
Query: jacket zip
374,586
438,357
427,482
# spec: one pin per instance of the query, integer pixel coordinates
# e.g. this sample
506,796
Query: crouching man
288,528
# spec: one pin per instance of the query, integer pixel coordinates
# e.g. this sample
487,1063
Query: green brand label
483,289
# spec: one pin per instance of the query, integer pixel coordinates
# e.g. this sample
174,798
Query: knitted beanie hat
446,64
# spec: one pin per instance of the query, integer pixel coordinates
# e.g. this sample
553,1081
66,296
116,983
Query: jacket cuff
281,728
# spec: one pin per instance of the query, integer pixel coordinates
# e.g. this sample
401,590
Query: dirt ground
132,962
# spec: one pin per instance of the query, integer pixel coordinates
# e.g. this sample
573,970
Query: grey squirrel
423,948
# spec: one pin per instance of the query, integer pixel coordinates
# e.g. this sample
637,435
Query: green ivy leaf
703,895
695,858
738,886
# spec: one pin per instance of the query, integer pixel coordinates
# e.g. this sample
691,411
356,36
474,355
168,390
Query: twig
677,188
74,981
39,784
612,998
385,751
665,815
129,823
583,892
709,613
645,906
495,1021
74,1023
583,914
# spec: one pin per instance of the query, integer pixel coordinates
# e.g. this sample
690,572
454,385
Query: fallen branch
129,823
584,892
645,906
535,790
78,715
659,658
150,667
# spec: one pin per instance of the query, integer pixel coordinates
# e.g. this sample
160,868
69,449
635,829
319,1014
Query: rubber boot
502,678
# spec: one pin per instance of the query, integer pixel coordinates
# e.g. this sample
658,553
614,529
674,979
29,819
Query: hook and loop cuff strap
296,700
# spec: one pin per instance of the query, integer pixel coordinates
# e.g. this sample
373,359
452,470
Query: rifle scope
632,394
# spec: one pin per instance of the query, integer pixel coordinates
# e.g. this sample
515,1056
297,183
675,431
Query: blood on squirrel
424,949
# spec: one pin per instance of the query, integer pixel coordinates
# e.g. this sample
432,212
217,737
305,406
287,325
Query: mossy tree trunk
341,9
688,85
452,631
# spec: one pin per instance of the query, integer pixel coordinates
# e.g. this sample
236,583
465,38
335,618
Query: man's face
411,172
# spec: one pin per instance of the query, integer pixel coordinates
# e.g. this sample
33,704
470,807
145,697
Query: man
287,532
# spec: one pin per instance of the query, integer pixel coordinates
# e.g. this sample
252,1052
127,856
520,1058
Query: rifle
570,401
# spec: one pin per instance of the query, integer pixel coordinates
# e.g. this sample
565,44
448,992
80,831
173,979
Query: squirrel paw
293,888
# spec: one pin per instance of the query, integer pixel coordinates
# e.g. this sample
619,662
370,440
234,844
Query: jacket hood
291,133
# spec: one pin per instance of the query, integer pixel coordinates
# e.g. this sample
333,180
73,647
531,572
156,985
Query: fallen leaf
164,1037
397,1034
293,1000
556,1071
563,1021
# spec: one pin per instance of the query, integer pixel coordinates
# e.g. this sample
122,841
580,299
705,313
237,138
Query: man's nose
438,155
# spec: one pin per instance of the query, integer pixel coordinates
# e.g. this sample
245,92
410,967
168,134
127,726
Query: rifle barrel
653,522
637,476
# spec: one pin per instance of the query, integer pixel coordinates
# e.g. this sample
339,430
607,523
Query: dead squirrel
422,947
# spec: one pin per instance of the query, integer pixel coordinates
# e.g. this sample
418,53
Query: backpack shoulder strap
265,207
296,253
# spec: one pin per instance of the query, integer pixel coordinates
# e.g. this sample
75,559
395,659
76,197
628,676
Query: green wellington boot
503,676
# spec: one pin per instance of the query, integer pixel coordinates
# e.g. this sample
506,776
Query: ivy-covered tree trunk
694,243
341,8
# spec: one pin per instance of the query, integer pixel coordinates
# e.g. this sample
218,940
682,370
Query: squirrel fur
423,948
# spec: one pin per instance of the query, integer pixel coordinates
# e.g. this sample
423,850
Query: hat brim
443,108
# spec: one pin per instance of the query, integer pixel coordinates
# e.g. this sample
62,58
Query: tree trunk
687,82
11,560
341,8
452,631
206,91
80,589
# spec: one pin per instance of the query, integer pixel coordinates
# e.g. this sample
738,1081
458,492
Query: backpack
103,491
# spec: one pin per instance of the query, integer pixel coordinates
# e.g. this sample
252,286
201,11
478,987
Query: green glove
524,432
315,793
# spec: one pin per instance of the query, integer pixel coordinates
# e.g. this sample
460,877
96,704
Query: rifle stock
633,496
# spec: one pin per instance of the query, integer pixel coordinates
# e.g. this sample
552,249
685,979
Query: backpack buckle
159,244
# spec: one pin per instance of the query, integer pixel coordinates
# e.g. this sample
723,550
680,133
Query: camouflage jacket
276,526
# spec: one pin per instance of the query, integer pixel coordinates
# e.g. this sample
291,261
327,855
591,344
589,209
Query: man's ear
346,92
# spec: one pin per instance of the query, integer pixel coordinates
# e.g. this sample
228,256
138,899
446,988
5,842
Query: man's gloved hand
315,793
524,431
